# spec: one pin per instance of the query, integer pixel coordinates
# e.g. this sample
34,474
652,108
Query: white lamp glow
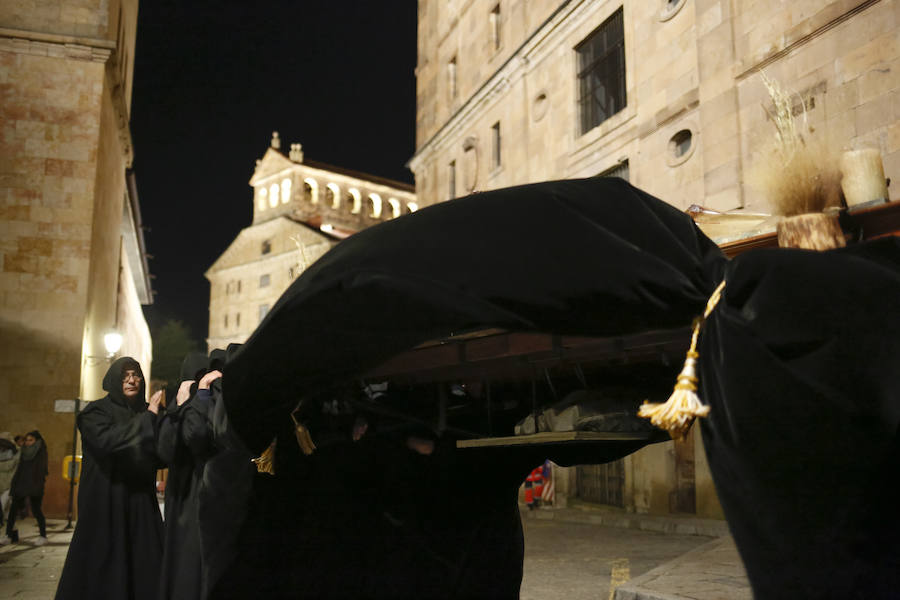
112,341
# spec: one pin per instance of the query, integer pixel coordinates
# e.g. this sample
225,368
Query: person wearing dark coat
183,446
28,484
117,545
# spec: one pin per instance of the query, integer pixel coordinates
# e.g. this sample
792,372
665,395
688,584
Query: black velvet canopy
800,362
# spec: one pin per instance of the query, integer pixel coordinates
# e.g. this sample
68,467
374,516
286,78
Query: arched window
333,195
395,207
311,190
261,194
273,195
285,190
412,207
354,199
375,203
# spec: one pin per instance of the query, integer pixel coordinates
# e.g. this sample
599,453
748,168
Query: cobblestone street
562,559
583,561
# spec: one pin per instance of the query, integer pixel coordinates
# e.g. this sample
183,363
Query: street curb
686,566
659,524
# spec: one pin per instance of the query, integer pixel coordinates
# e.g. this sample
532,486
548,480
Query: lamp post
113,342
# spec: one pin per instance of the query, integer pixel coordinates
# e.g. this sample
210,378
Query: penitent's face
131,383
30,440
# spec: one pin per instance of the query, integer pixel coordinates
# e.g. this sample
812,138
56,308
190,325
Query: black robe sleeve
167,439
196,429
106,436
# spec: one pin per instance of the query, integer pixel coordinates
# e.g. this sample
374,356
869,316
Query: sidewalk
713,571
29,572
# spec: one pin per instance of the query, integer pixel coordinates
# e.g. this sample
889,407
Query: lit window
412,207
311,190
285,191
355,201
273,195
375,202
395,207
601,73
264,280
333,195
495,144
261,194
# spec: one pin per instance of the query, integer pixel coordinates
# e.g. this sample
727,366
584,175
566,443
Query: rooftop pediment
281,232
271,163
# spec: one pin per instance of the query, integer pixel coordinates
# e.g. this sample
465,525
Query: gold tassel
265,462
304,439
678,413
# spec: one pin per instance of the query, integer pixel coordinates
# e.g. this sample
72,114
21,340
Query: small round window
681,146
669,9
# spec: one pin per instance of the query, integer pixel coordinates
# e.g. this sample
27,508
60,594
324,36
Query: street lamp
113,342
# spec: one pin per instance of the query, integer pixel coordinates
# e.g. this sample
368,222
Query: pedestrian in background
9,460
117,544
28,482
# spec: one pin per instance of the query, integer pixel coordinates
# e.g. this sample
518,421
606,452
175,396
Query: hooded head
194,366
125,383
217,360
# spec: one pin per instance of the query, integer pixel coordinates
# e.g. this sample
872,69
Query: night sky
212,80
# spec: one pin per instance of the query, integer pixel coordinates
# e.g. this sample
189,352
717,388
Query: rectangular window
263,311
264,280
237,320
495,28
620,170
601,73
451,175
266,247
226,321
495,144
451,77
239,286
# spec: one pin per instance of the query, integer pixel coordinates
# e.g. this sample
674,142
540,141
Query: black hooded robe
183,447
117,545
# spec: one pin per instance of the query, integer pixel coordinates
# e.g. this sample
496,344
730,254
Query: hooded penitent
185,443
117,544
799,364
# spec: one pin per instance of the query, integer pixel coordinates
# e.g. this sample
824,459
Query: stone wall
63,152
690,67
235,290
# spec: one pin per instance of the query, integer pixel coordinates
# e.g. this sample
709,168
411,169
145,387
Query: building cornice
57,46
68,47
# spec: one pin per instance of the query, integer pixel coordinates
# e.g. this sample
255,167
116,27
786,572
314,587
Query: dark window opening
601,73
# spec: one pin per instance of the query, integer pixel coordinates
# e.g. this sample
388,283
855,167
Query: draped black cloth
799,364
184,445
117,544
590,256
